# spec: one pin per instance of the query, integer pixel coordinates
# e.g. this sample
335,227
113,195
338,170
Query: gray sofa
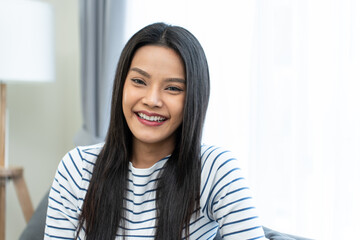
35,228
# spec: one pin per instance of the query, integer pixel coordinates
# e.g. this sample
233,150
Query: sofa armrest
36,226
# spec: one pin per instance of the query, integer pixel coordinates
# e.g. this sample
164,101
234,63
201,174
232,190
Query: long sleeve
228,198
63,210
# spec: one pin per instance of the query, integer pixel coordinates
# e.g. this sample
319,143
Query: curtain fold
305,132
101,36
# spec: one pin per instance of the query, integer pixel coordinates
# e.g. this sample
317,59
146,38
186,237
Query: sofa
35,228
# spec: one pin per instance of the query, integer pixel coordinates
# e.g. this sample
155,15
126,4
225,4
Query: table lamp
26,55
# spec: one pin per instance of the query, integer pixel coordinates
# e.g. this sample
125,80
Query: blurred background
285,79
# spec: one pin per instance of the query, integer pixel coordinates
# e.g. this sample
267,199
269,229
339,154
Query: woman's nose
153,98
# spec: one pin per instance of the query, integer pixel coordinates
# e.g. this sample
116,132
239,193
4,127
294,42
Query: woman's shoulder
216,158
215,152
90,152
84,156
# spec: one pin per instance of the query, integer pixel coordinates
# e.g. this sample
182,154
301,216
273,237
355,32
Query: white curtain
305,116
285,78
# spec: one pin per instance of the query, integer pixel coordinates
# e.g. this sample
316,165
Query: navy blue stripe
224,163
200,228
62,175
219,191
138,222
205,150
78,150
85,151
88,171
138,175
156,170
207,157
229,193
142,212
236,211
90,153
239,221
207,232
196,220
142,185
50,198
72,160
60,228
57,237
61,186
137,236
215,195
141,203
209,172
218,182
61,196
55,190
141,194
60,219
73,178
137,229
60,203
231,203
212,236
70,209
91,163
86,180
241,231
56,209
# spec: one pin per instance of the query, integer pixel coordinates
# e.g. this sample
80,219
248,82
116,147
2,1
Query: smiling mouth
151,118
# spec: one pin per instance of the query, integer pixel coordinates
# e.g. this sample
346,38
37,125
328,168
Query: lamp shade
26,41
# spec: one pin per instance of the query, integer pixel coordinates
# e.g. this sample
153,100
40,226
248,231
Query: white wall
44,117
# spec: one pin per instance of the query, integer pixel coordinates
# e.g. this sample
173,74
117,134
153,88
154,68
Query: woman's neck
145,155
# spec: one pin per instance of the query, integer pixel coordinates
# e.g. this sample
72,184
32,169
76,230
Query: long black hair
178,189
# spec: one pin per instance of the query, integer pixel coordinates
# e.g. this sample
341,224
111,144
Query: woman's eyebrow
178,80
142,72
146,74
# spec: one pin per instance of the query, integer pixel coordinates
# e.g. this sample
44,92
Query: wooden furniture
14,174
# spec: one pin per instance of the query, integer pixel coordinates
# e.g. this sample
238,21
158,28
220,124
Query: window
285,98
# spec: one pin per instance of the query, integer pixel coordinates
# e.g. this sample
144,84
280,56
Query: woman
152,178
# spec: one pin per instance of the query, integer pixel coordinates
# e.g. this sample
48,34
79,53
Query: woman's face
154,94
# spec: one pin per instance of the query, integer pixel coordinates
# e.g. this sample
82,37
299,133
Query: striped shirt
225,201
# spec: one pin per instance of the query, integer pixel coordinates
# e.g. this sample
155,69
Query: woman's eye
174,89
138,81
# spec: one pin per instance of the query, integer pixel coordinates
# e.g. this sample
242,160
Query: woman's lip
151,114
150,123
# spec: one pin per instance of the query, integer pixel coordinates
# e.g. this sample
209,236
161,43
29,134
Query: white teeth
151,118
